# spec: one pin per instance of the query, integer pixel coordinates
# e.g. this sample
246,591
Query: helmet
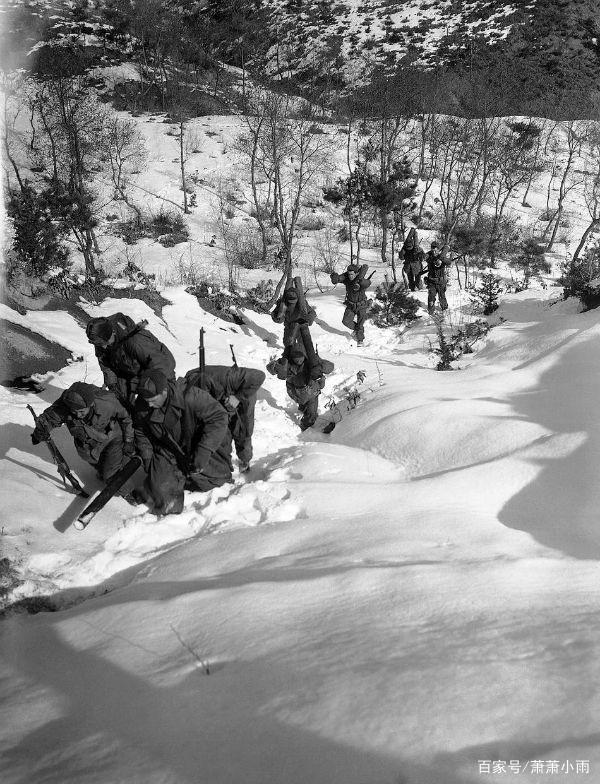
79,395
290,295
99,330
152,383
297,356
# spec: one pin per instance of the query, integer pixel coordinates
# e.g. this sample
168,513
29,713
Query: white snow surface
395,602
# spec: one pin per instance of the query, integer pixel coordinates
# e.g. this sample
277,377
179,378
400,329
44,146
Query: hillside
412,598
539,57
409,599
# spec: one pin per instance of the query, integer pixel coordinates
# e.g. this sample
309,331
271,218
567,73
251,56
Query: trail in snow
54,559
394,602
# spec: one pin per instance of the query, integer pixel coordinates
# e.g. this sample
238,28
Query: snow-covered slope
536,51
406,600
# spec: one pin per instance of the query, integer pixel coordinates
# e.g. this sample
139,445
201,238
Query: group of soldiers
182,429
434,265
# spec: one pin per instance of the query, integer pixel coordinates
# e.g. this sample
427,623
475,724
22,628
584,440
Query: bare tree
513,163
71,121
126,152
291,153
430,131
459,168
539,127
249,145
574,131
591,187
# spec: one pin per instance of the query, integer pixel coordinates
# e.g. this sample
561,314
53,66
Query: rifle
312,358
136,328
201,356
362,272
235,364
301,297
131,331
61,464
115,483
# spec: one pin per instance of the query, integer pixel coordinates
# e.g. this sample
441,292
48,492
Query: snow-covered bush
167,221
485,295
218,301
444,349
581,277
465,337
37,238
531,262
392,305
310,222
259,295
243,246
328,251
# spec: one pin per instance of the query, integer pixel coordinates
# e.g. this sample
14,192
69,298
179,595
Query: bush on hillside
220,302
531,263
581,278
258,296
168,227
485,295
37,237
243,247
392,305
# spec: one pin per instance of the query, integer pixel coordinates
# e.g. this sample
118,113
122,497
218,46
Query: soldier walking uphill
100,426
125,350
356,300
303,372
290,312
235,388
412,256
183,438
437,277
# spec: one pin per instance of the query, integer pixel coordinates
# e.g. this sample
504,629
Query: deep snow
395,602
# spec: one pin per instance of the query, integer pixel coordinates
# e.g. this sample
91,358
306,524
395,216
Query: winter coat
290,317
221,381
414,258
125,360
191,426
301,387
306,384
411,248
355,289
105,421
437,276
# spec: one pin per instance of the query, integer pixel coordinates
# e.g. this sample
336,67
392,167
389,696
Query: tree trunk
593,225
457,273
182,164
384,235
280,284
350,204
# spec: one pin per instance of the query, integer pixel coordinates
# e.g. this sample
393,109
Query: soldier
356,300
235,388
437,277
303,380
181,434
125,350
289,312
100,426
412,255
